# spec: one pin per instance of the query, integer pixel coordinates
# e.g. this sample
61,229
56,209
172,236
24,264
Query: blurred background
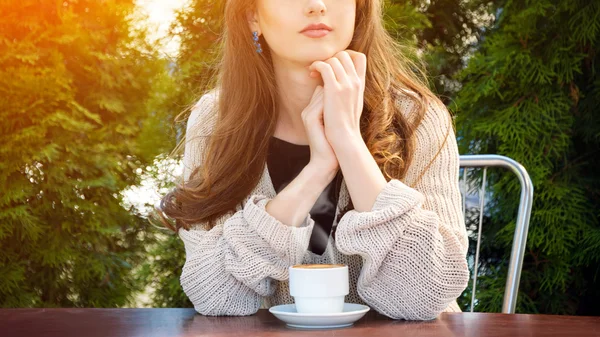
89,95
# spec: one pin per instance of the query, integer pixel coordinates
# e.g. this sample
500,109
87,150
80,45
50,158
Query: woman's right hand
322,157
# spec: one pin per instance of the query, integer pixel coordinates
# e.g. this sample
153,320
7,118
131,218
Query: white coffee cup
319,288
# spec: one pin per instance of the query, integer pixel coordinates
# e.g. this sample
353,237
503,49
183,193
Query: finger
347,63
326,72
338,69
318,90
317,94
360,62
316,99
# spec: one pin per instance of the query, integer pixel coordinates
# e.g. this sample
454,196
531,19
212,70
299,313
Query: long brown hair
237,148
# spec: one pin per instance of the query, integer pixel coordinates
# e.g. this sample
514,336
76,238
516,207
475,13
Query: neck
295,89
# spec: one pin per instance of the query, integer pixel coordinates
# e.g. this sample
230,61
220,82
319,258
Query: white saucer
287,313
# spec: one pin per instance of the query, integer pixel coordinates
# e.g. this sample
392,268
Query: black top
285,161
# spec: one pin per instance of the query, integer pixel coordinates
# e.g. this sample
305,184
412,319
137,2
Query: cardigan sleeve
229,268
413,241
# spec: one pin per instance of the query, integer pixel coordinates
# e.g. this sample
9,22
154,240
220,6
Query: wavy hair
237,148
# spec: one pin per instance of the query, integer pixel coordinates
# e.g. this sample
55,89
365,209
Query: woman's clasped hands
332,118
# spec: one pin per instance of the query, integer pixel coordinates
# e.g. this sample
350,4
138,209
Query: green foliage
529,92
161,272
161,269
198,25
443,31
76,89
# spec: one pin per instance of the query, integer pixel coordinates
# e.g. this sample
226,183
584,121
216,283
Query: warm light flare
160,14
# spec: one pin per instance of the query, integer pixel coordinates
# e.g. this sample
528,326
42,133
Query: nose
315,8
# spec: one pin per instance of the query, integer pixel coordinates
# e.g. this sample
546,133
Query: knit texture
406,256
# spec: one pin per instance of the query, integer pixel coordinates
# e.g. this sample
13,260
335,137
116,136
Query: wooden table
185,322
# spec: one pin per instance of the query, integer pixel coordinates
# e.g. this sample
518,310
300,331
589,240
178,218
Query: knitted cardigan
406,256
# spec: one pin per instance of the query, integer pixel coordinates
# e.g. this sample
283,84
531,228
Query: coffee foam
317,266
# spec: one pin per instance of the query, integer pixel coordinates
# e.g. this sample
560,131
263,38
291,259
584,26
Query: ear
252,21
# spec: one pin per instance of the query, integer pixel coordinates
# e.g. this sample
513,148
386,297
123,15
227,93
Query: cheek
348,17
280,39
276,29
345,32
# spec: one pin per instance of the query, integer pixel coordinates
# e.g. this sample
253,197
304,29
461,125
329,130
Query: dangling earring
256,43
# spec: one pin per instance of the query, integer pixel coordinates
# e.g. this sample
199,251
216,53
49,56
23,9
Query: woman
303,154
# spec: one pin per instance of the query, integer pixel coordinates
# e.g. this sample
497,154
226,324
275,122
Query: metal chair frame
524,213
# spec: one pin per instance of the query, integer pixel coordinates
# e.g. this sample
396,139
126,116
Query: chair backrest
520,237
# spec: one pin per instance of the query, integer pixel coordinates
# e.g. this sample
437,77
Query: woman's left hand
344,85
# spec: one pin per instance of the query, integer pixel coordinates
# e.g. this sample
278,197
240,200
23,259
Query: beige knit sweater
406,257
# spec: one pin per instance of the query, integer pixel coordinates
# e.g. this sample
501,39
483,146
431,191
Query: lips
316,30
316,26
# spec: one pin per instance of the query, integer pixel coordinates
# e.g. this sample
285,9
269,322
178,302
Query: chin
322,54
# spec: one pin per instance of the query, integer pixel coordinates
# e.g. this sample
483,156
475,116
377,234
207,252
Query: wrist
318,175
348,146
341,137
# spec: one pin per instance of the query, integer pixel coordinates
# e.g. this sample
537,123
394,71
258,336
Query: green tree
530,93
198,25
77,89
443,31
